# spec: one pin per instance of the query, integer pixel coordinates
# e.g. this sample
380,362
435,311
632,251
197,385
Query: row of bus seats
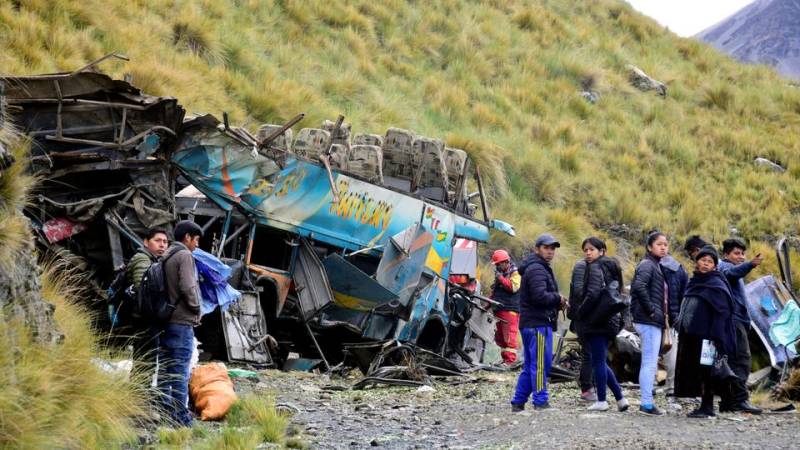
400,159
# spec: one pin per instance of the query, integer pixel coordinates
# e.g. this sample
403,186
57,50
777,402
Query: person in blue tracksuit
540,302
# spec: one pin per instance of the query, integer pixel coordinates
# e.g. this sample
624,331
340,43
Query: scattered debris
644,82
764,162
121,369
590,96
242,373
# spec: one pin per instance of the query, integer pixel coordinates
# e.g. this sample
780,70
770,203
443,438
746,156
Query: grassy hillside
500,78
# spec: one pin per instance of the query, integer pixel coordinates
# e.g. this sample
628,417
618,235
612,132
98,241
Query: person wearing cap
176,342
505,291
707,334
539,303
735,267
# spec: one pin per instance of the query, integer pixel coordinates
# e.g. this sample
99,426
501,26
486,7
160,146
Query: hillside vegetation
499,78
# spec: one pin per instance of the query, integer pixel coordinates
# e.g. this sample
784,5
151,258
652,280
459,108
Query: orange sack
211,390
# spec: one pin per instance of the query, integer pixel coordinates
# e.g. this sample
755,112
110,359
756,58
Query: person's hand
757,260
564,302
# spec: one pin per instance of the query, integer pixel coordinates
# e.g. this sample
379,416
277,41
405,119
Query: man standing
693,246
155,244
539,306
505,291
735,267
177,339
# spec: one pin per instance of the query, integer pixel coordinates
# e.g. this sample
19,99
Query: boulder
764,162
644,82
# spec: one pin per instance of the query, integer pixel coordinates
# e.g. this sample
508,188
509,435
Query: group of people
698,326
173,342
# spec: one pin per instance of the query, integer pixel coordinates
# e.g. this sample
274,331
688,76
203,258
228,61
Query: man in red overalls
504,291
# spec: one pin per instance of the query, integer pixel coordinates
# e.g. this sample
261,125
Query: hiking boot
589,396
545,405
745,407
651,411
622,405
701,413
599,406
517,407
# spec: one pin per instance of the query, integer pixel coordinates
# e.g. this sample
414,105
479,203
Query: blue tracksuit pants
538,349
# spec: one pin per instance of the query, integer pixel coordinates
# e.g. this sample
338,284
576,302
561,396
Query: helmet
499,256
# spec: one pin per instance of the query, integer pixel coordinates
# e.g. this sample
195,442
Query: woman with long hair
649,297
596,329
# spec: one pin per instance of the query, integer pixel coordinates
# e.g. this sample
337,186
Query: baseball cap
546,239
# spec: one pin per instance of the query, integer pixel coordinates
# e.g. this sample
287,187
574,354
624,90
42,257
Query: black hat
546,239
185,227
708,250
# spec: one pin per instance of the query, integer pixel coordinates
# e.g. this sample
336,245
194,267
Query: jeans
603,375
538,346
670,359
175,354
651,344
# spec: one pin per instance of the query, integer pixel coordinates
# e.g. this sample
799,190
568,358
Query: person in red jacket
505,291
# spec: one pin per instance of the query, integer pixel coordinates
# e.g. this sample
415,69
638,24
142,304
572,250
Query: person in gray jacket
177,339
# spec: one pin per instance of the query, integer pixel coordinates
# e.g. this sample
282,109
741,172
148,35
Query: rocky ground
474,413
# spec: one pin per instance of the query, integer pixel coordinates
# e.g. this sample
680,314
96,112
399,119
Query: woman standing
596,329
648,297
706,315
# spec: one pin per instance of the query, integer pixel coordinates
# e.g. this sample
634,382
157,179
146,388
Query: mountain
764,32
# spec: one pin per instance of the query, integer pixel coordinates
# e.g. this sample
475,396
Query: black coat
647,293
539,300
594,277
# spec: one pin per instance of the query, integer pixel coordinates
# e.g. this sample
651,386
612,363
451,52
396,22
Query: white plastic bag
707,353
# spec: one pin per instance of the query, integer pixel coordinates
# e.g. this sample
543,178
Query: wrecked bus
340,253
333,241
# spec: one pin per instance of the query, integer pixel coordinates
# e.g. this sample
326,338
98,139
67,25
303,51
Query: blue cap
547,239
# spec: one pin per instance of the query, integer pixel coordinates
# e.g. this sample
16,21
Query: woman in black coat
648,307
599,273
706,315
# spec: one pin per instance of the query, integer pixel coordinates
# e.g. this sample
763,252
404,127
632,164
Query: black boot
745,407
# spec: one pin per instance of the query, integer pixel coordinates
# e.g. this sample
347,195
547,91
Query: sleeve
594,285
137,266
536,278
639,287
187,280
735,272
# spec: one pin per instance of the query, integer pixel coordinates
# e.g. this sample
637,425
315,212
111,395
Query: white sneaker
622,405
599,406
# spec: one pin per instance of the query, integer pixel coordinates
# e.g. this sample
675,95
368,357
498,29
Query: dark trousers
585,374
603,375
175,354
740,364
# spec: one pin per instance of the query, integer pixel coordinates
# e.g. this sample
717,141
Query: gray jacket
182,285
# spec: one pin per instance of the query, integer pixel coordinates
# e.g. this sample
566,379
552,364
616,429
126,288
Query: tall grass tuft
55,396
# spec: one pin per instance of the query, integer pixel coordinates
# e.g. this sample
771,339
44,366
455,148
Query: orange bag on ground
211,390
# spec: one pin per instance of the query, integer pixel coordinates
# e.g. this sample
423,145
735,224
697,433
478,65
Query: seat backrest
310,143
455,161
368,139
398,154
282,142
340,156
366,161
431,174
342,137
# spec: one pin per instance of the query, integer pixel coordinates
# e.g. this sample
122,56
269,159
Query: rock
643,82
764,162
425,390
590,96
374,443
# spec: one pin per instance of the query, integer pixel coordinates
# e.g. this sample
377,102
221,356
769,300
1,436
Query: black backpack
152,299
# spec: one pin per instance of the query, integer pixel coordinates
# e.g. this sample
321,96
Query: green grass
499,78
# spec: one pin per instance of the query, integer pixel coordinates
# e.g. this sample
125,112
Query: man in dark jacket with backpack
540,302
177,339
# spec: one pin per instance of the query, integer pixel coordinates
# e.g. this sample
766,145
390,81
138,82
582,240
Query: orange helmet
499,256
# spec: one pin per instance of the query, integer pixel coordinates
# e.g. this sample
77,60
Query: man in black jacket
539,306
